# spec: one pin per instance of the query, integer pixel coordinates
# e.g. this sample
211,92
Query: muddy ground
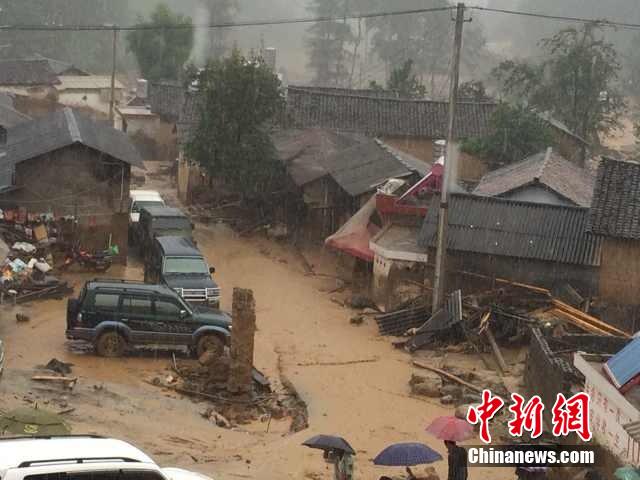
298,325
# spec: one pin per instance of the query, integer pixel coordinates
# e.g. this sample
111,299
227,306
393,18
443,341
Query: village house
66,164
60,67
91,91
534,243
412,126
545,177
28,77
615,219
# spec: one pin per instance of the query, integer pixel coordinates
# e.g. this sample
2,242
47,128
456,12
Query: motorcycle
97,261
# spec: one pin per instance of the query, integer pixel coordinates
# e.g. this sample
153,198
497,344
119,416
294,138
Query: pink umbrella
450,428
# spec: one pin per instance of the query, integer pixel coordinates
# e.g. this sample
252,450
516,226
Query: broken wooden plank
70,381
448,375
334,364
496,350
586,318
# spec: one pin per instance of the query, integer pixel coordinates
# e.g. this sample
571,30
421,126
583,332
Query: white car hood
180,474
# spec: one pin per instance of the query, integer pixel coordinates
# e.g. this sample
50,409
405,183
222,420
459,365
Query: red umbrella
450,428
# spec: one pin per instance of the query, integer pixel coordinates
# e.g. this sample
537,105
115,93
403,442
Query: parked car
178,263
139,199
117,315
158,222
81,457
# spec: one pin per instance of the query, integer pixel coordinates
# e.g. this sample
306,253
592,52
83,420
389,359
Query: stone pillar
242,341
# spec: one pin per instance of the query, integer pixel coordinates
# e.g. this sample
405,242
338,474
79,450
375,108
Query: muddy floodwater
298,325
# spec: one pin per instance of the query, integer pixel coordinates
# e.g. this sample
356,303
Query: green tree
576,81
162,52
473,91
240,100
517,133
327,44
404,81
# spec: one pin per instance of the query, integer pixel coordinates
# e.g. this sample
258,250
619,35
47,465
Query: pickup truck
160,222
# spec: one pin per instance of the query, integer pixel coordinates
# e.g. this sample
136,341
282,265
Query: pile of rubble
26,268
26,275
503,315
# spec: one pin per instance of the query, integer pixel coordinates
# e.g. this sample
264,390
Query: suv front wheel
208,343
111,344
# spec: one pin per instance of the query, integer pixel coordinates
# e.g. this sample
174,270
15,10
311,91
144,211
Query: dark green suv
115,315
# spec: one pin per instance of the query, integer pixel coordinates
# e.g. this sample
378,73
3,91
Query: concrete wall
537,194
94,99
609,411
395,281
620,271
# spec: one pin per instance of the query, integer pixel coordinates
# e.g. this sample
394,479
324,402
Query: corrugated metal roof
87,82
624,366
63,128
615,210
496,226
9,117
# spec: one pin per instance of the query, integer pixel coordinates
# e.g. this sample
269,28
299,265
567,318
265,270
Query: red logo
572,415
526,417
488,409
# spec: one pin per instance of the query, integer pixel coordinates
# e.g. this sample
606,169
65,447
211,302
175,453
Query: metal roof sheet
624,366
496,226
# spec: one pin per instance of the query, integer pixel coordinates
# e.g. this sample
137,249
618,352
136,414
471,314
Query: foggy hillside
493,35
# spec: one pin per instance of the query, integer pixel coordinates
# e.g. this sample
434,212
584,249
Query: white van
81,458
140,199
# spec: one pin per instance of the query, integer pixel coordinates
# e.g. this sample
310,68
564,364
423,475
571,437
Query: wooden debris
496,351
448,375
586,321
334,364
68,381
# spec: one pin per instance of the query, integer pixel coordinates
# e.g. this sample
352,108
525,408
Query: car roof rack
119,280
31,463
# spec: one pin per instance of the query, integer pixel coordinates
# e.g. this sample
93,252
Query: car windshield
185,265
139,205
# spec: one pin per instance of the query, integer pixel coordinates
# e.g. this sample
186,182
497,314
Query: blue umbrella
406,455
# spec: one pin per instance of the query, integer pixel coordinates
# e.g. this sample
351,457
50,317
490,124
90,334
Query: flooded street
298,326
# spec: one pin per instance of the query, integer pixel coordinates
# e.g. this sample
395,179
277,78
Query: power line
600,21
247,23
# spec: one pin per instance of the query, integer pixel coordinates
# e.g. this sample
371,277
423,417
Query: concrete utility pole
441,253
113,74
242,342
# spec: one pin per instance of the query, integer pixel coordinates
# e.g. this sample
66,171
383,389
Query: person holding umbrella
338,452
452,430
